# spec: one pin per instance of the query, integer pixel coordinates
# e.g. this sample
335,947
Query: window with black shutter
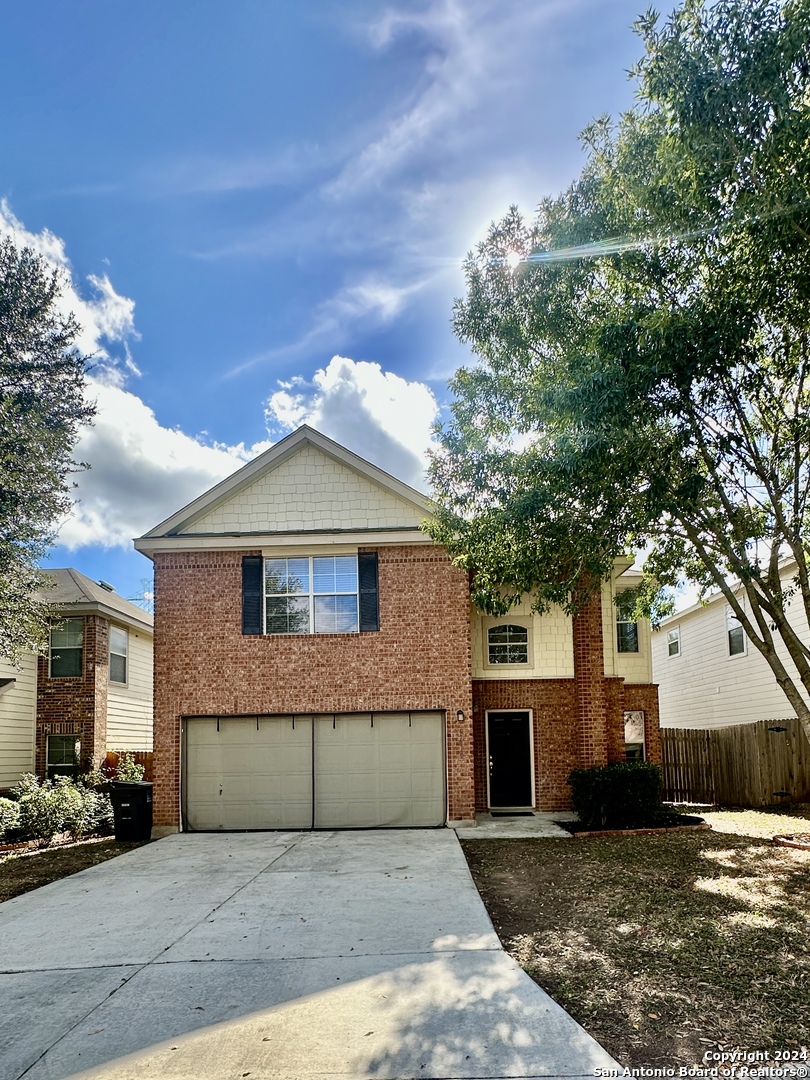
369,593
252,586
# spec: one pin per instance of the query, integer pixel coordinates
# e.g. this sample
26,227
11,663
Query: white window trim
677,653
491,621
123,630
729,654
530,714
311,595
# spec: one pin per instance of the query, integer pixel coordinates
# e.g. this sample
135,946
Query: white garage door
358,770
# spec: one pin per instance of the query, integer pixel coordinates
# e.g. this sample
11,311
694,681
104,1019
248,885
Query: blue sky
261,208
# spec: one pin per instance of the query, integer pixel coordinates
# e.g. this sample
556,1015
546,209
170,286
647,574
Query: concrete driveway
274,955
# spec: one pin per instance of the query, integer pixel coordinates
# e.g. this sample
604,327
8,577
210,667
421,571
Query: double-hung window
119,649
674,641
735,634
66,649
311,595
626,627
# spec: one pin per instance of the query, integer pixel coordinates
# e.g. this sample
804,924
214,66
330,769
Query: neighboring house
91,691
317,663
709,675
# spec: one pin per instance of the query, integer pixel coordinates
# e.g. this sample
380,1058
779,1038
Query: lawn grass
663,946
23,870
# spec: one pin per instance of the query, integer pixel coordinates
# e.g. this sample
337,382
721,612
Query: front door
510,759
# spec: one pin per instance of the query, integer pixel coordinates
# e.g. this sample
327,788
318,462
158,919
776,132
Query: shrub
42,810
128,769
100,812
9,817
51,807
623,795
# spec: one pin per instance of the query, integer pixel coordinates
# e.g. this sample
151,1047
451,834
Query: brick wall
556,729
76,706
589,677
556,745
204,665
644,696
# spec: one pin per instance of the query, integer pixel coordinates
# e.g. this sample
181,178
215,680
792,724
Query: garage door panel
241,773
248,775
365,776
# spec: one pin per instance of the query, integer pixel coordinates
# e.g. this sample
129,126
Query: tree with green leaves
42,407
643,345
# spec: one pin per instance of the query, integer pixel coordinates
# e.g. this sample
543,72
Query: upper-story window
674,641
311,595
119,654
626,628
66,649
735,634
508,643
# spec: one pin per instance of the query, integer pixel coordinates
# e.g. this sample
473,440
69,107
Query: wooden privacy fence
762,764
142,757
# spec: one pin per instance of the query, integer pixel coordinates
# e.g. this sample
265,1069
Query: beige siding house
18,712
89,693
709,675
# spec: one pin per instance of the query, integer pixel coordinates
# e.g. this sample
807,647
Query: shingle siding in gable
308,491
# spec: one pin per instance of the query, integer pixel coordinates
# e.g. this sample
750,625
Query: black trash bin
132,809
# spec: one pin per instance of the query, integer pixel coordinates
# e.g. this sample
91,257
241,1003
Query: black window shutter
252,566
369,599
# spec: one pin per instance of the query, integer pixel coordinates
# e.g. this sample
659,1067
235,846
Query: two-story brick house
317,663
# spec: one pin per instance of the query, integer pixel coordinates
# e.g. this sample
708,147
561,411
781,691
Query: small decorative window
119,650
508,644
674,641
735,634
66,649
311,595
626,627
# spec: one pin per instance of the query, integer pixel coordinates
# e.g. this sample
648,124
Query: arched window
508,643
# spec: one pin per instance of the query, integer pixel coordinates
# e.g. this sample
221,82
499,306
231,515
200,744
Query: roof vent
106,585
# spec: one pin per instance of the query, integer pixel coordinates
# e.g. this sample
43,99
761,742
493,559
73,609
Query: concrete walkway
534,826
274,956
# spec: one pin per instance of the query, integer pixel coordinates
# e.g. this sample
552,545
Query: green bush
9,818
624,795
48,808
128,769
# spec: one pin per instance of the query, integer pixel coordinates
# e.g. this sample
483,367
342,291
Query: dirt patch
663,947
23,869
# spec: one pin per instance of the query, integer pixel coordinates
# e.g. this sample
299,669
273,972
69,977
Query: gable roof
191,520
73,592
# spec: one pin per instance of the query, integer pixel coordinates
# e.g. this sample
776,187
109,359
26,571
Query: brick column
589,678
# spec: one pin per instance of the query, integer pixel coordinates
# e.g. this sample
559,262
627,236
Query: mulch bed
663,947
662,823
23,868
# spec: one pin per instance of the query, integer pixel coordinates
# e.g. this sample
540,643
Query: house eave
251,541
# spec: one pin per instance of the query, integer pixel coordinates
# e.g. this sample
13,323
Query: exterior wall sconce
460,715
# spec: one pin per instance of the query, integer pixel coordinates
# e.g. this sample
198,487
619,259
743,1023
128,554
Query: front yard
22,870
667,946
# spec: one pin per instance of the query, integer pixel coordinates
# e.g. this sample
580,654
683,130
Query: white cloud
140,472
378,414
369,302
106,320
